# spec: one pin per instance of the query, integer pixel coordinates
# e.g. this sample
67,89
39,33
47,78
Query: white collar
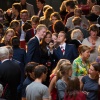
4,60
63,45
38,38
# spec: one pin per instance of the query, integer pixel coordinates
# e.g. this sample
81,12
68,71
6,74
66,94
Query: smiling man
33,47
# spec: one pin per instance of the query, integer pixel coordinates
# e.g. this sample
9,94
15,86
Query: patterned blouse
79,68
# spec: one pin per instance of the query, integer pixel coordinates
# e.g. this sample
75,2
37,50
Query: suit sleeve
30,51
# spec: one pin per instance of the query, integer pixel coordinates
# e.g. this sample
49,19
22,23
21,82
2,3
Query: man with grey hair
9,75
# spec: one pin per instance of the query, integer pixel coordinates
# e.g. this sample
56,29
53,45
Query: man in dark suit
28,7
65,51
10,75
31,32
33,47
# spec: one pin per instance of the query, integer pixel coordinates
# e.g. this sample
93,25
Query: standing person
31,32
10,75
18,53
64,51
73,90
93,41
81,64
29,70
9,33
90,83
16,8
36,90
24,18
40,4
28,7
53,78
33,46
63,76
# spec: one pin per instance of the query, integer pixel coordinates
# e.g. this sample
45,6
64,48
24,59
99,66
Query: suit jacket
19,54
29,34
41,13
70,53
10,75
70,25
33,50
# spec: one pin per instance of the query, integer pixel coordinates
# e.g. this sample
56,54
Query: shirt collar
63,45
4,60
38,38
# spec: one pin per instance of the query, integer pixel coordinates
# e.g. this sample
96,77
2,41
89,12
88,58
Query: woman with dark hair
63,77
29,71
46,53
59,26
73,90
93,41
18,53
16,8
90,83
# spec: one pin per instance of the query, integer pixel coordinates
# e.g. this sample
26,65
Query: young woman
7,37
73,90
53,78
63,76
90,83
93,41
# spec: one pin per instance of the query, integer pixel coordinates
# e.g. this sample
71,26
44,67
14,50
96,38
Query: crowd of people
50,55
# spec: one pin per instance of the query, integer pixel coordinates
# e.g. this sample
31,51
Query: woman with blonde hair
63,77
53,78
7,37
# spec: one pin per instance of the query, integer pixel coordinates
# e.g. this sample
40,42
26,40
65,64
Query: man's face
41,33
34,25
24,17
23,1
61,38
39,4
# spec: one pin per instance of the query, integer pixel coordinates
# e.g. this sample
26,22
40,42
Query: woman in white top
93,41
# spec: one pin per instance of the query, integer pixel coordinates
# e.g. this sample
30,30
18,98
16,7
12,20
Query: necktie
62,49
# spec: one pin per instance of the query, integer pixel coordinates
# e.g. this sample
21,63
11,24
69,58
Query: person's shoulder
70,45
33,39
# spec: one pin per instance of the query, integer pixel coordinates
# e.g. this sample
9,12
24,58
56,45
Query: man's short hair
76,20
71,4
35,19
24,11
39,70
4,53
40,26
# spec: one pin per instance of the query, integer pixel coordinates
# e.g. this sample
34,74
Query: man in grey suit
28,7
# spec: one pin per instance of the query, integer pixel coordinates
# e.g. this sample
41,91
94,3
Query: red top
79,96
54,91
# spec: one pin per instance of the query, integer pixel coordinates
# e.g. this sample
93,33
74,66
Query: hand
92,47
9,11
